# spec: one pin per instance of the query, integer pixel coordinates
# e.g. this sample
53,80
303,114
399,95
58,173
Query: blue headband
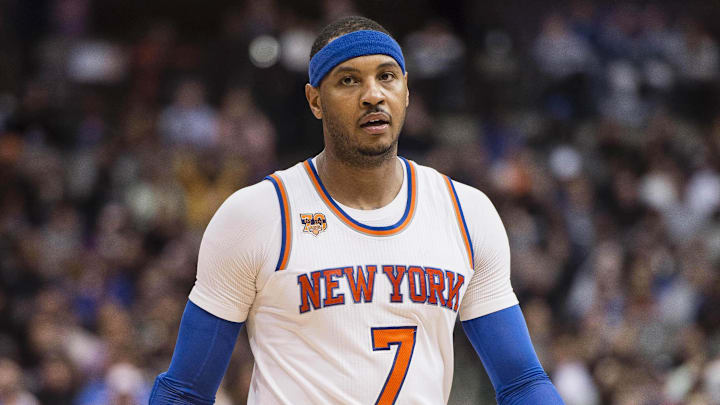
352,45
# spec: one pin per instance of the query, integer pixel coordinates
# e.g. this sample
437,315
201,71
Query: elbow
168,391
532,387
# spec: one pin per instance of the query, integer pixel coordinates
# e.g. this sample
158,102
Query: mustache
376,109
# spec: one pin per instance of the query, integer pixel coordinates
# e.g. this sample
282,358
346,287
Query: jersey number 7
404,338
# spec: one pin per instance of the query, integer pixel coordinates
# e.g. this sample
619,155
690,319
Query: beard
348,150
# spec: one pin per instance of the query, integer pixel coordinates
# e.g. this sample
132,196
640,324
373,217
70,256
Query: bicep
489,289
236,246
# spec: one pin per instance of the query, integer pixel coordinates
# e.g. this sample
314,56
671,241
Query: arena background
593,126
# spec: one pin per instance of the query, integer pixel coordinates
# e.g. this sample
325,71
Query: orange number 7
404,338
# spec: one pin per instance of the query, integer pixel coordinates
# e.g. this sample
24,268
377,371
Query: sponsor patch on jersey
313,223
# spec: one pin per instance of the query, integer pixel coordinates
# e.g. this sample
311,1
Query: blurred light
565,162
97,62
712,378
703,192
575,384
264,51
124,379
295,45
623,76
658,191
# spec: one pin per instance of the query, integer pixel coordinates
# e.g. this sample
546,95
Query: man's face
362,103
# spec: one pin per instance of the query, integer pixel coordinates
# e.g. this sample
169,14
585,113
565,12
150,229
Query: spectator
594,129
189,120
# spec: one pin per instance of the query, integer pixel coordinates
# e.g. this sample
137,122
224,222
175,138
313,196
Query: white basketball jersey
339,311
356,314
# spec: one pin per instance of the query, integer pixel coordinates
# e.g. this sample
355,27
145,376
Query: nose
372,94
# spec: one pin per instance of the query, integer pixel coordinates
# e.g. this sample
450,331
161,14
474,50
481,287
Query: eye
387,76
348,81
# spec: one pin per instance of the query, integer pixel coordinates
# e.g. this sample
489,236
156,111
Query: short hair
344,26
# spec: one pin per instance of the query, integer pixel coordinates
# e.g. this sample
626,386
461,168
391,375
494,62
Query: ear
312,95
407,93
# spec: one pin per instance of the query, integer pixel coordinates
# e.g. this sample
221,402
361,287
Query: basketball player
350,268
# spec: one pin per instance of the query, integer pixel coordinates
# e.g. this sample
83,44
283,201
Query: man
351,268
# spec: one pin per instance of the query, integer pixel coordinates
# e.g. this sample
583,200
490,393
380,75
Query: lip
375,116
376,129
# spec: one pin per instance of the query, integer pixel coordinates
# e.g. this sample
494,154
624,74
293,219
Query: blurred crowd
594,127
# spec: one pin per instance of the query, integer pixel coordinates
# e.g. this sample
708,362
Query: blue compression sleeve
502,341
202,353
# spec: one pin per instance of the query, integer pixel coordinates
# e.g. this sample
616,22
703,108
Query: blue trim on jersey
502,341
202,353
462,215
368,227
282,221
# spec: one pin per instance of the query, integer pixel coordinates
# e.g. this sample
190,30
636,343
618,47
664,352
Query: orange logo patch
314,223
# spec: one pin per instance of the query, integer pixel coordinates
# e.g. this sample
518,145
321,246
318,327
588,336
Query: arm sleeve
242,235
502,341
242,239
489,289
202,353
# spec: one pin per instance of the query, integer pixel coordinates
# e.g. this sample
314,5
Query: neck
363,188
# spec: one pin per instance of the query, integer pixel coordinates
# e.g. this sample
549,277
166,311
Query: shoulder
253,208
469,196
250,202
258,205
472,197
477,210
480,213
487,232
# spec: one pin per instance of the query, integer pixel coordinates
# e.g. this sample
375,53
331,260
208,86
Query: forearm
202,353
502,341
